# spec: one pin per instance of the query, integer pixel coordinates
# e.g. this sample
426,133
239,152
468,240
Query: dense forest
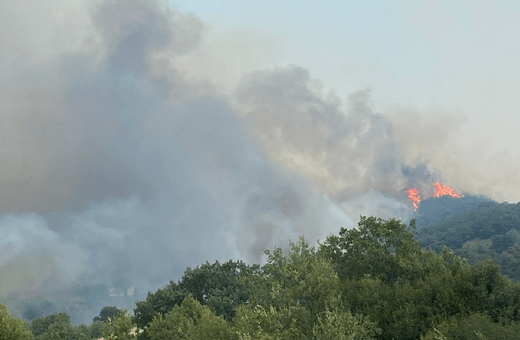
374,282
474,228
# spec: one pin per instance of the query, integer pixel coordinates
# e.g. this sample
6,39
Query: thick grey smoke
118,171
349,154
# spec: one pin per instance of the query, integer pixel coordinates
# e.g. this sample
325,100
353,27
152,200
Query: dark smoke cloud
117,171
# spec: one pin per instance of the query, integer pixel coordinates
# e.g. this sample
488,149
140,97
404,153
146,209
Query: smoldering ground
118,170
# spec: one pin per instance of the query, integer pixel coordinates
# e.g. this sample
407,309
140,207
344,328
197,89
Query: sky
455,57
140,137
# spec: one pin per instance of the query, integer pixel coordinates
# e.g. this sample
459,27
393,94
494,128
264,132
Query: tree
380,248
486,221
473,327
298,296
341,325
63,331
120,328
219,286
189,321
12,328
270,323
41,324
301,278
407,290
96,329
374,282
57,326
158,303
504,249
108,313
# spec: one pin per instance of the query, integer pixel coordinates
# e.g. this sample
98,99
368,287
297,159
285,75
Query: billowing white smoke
118,171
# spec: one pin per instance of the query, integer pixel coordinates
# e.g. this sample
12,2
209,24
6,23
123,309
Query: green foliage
218,286
41,324
490,221
96,329
499,243
64,331
503,249
158,303
300,278
374,282
12,328
189,321
434,210
297,297
58,327
294,296
108,313
407,290
271,323
474,327
341,325
383,249
120,328
215,285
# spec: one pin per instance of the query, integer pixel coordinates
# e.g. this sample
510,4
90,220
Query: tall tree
219,286
189,321
298,296
12,328
119,328
41,324
380,248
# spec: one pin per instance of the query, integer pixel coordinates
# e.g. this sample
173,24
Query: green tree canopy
108,313
474,327
189,321
120,328
12,328
298,296
216,285
41,324
380,248
374,282
407,290
57,326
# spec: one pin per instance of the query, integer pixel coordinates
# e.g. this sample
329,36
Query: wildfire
440,190
443,190
414,196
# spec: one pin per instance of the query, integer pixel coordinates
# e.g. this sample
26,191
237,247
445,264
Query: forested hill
475,228
434,210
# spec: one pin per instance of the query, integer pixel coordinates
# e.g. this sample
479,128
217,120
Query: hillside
474,227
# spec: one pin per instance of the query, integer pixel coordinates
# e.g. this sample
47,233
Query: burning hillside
440,190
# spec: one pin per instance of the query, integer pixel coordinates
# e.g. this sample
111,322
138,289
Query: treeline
435,210
374,282
487,231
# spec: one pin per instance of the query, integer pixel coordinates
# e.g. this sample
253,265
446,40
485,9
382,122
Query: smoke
119,171
352,155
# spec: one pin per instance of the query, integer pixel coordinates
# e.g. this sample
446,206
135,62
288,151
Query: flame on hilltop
440,190
443,190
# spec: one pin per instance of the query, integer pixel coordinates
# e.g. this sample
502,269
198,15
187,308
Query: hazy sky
454,54
138,137
458,57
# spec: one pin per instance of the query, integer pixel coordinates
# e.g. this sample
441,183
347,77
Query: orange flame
414,196
443,190
440,190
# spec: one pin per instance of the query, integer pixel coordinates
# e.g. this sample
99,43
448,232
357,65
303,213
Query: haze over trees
373,282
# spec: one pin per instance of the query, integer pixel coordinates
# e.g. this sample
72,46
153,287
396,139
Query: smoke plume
119,171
